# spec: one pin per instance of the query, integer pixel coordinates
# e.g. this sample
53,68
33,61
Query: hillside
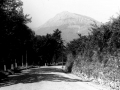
69,23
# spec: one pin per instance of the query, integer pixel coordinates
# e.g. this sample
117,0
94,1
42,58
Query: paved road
47,78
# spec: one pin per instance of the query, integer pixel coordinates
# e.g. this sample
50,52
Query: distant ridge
69,23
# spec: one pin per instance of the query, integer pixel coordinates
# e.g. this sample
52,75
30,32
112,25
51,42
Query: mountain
69,23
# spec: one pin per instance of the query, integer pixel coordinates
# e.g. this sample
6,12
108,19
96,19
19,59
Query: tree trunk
22,61
26,60
15,64
12,67
5,68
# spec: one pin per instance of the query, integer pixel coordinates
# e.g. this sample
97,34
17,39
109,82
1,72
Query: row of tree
104,39
18,43
49,48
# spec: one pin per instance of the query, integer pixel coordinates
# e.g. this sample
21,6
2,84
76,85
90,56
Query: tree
59,46
14,34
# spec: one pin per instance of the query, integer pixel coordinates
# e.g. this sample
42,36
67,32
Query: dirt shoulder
47,78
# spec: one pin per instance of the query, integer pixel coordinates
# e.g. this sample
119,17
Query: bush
98,54
69,63
100,72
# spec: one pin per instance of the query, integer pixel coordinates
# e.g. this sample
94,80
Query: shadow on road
46,70
37,75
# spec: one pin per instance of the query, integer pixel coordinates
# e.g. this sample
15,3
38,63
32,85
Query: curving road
47,78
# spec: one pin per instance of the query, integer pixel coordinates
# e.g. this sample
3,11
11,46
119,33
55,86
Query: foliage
104,38
18,43
15,36
49,47
93,54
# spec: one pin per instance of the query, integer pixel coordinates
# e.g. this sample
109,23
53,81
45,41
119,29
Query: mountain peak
64,13
67,12
69,23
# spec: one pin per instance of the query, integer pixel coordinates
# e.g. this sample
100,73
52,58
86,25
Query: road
47,78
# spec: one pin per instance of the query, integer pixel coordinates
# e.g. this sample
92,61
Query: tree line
19,45
102,39
97,55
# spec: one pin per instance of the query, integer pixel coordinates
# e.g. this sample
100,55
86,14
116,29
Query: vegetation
97,56
15,36
50,48
19,46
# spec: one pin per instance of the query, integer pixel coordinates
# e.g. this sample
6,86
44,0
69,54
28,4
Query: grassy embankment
96,57
105,74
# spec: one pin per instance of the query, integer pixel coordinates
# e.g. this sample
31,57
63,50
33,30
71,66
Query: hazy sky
42,10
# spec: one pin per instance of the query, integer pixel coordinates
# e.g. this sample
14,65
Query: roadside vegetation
94,57
97,56
19,46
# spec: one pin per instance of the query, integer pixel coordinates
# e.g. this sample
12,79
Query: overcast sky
42,10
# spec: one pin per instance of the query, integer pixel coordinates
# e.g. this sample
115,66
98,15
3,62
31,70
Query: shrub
69,63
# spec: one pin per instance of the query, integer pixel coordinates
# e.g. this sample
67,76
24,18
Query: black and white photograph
59,44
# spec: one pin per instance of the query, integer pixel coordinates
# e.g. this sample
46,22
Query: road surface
47,78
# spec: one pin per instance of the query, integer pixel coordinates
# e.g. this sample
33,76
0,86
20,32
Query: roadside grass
105,73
